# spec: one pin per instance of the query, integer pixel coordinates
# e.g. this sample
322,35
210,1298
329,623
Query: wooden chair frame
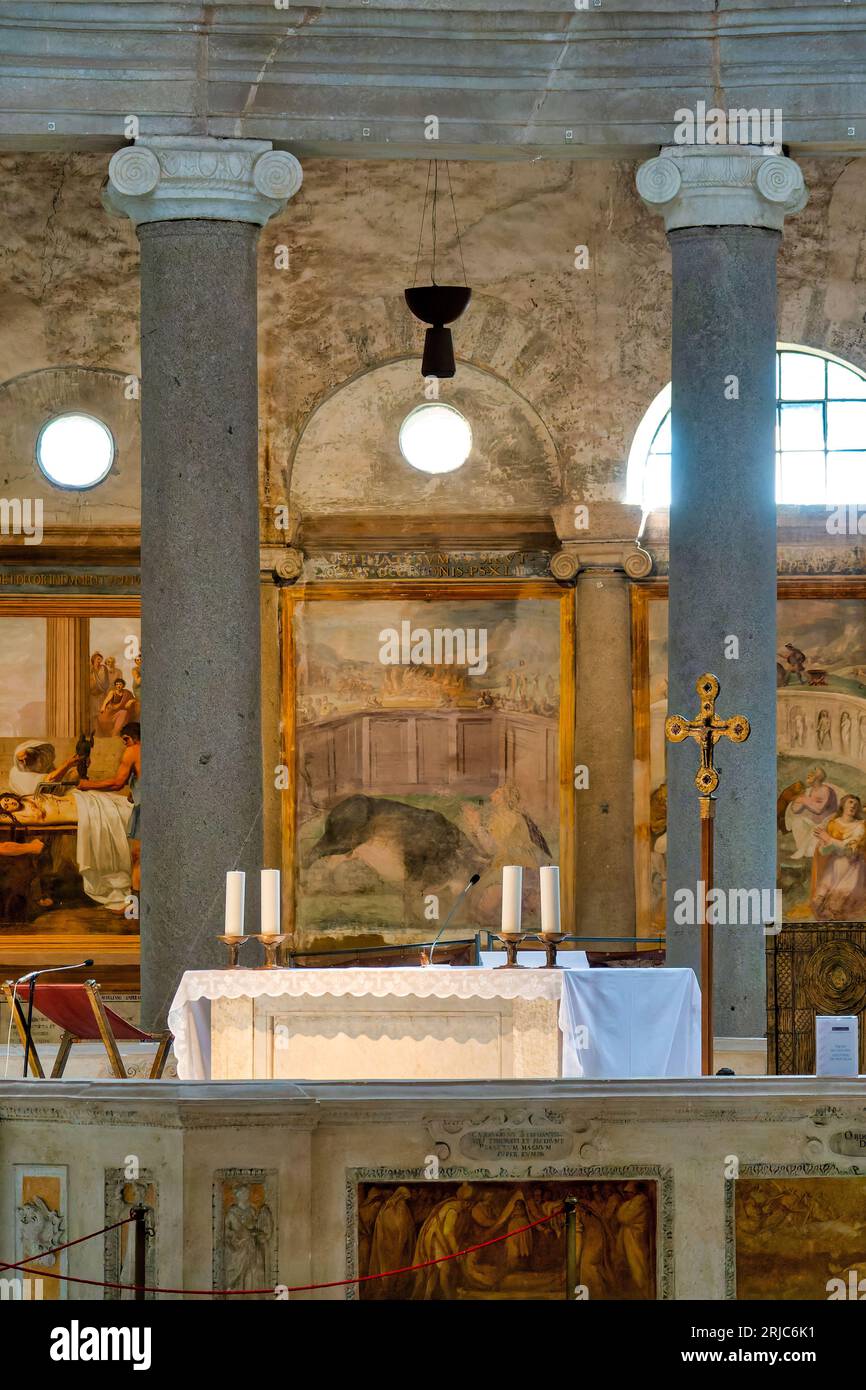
106,1033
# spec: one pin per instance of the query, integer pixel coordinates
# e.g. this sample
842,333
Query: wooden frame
118,953
642,595
69,606
420,590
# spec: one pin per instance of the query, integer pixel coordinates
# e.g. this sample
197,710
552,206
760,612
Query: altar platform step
745,1056
87,1060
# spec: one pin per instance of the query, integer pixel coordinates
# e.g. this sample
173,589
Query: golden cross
706,730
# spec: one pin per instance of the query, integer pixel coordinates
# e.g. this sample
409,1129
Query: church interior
432,438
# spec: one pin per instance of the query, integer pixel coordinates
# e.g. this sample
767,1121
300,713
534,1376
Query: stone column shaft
604,737
723,586
604,814
198,205
723,208
201,725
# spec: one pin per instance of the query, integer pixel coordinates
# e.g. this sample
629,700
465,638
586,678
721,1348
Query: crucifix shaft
706,729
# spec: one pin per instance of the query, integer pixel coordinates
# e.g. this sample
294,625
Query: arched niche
348,459
28,402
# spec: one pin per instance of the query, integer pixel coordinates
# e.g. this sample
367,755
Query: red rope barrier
57,1248
294,1288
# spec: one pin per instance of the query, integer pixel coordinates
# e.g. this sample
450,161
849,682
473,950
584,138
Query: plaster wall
586,350
558,365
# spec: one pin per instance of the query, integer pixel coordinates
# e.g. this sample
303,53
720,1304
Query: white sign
836,1045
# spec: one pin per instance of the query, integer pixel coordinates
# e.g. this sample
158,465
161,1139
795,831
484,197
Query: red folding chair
79,1010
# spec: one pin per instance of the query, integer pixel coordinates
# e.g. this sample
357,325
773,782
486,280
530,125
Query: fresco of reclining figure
101,820
41,808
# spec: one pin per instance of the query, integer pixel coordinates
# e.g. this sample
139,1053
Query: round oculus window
435,438
75,451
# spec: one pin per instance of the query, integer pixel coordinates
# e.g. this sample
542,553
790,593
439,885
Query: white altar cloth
189,1015
636,1022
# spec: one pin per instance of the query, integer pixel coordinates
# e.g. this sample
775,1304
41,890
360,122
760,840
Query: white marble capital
166,178
721,186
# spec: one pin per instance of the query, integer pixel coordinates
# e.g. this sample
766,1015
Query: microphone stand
31,980
27,1027
454,906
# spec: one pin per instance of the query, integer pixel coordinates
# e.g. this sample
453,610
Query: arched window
820,434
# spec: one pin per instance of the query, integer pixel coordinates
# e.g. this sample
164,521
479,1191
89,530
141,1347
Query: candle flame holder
233,942
272,942
550,941
511,941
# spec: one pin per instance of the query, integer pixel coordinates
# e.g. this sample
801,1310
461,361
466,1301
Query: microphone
454,906
52,970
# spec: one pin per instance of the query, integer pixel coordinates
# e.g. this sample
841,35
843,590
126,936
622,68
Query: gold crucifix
706,730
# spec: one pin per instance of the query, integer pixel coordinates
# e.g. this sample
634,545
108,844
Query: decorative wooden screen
812,968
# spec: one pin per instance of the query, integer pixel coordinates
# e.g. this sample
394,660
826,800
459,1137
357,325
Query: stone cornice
304,1106
172,178
721,186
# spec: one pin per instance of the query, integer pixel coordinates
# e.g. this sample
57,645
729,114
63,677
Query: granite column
198,205
724,208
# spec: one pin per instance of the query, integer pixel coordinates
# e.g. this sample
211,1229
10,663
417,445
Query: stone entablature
272,71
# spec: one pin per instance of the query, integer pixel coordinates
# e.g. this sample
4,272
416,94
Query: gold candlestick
550,940
511,941
234,941
272,941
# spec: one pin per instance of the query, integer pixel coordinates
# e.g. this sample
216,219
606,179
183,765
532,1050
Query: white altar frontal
451,1023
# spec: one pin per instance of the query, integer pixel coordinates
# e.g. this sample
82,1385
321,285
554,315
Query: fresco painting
799,1238
428,749
821,740
408,1223
69,767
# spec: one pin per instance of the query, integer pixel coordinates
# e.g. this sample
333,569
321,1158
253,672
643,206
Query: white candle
512,898
549,876
270,902
235,880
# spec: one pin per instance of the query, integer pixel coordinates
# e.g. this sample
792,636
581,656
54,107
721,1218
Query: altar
451,1023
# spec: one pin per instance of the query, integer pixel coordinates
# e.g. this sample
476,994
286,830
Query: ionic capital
721,186
167,178
612,556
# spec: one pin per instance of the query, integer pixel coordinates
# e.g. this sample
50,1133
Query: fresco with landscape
427,750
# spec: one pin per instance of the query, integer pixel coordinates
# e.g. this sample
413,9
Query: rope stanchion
294,1288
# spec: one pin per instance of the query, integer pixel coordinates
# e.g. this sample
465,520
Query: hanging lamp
434,304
